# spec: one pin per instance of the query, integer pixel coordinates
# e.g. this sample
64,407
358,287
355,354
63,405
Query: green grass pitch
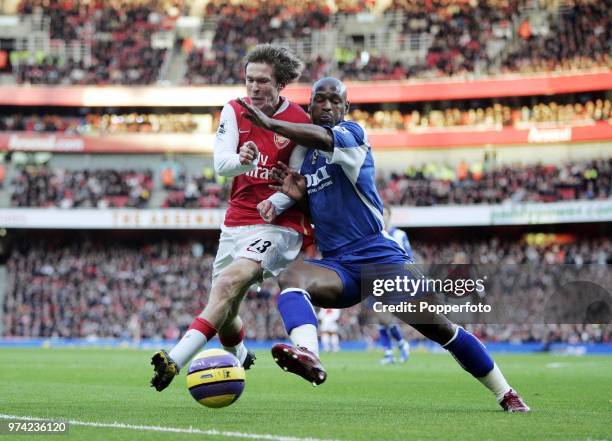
429,398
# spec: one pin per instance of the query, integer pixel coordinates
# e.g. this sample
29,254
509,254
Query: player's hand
266,210
293,183
279,172
248,152
255,115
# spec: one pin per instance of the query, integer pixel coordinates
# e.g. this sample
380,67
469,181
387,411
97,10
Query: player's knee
228,285
290,278
317,287
439,332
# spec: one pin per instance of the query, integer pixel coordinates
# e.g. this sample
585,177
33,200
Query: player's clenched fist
248,152
266,210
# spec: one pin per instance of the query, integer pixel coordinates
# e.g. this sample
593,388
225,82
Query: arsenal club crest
280,141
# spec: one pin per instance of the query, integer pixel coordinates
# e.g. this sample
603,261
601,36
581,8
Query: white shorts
271,245
331,327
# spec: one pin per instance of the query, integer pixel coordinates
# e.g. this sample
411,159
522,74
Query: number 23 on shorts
258,246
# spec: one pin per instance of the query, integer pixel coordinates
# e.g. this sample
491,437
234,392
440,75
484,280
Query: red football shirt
252,187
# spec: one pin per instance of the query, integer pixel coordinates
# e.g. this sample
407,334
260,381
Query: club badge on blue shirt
315,155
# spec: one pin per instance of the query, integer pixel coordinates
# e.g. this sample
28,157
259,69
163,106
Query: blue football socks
470,353
295,309
385,341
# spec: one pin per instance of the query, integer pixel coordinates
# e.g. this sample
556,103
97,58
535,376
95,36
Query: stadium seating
569,112
239,26
118,35
104,123
102,188
424,185
543,114
478,183
92,288
457,38
204,191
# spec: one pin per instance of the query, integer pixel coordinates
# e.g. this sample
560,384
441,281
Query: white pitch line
117,425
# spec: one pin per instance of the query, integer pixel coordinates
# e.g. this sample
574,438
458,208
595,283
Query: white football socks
335,343
240,351
326,342
305,336
496,382
187,347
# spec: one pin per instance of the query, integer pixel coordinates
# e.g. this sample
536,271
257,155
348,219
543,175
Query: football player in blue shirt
337,180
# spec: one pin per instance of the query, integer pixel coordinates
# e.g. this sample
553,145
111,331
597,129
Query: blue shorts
348,262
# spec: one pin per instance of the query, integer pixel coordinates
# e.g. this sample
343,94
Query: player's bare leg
225,296
231,336
472,356
300,283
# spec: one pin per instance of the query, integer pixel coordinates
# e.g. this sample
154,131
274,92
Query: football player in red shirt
249,248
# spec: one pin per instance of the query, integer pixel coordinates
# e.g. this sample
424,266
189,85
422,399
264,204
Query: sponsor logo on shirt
261,171
318,180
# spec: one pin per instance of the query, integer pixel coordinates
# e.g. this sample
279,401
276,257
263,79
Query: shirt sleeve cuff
281,202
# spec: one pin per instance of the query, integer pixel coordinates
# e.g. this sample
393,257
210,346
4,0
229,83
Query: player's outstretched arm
307,135
279,202
292,184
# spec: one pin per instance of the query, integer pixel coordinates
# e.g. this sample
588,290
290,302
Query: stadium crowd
579,38
490,117
95,288
99,188
111,123
244,24
119,35
105,123
459,32
480,183
120,38
425,185
547,114
197,191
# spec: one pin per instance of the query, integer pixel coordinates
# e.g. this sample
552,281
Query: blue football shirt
344,203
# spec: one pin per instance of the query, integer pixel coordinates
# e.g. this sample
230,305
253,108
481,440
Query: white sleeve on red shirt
280,200
226,159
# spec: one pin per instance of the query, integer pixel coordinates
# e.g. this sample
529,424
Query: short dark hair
286,65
